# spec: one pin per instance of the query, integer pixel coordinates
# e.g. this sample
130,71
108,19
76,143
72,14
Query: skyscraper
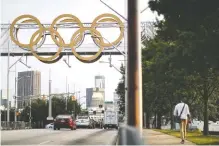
89,94
99,82
28,84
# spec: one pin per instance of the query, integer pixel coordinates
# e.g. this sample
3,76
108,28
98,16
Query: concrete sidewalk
157,138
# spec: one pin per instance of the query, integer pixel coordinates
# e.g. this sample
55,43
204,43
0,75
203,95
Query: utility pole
15,100
31,95
30,112
1,104
8,71
67,99
134,66
126,65
75,103
66,93
50,100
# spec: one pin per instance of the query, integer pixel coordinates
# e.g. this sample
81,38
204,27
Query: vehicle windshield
82,117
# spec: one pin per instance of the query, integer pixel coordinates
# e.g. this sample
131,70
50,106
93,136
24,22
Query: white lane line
44,142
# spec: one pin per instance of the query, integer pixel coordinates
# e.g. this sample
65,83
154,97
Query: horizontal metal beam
69,25
53,53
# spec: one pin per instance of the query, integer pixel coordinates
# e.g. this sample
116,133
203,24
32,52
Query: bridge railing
15,125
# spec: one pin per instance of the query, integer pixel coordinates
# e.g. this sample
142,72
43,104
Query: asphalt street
58,137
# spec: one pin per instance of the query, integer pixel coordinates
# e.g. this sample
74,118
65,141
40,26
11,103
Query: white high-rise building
100,82
98,97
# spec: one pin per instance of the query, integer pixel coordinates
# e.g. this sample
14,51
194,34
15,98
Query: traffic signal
100,106
102,111
94,112
73,98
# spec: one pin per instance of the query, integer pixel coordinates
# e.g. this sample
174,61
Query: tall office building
89,94
28,84
100,82
98,97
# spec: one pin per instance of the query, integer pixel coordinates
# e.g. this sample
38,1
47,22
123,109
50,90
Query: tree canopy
181,61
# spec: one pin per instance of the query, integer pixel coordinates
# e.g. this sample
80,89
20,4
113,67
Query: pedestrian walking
182,115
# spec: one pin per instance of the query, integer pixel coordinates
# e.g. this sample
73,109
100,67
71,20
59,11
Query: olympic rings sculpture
38,37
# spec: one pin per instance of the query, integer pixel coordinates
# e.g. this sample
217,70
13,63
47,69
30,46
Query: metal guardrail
15,125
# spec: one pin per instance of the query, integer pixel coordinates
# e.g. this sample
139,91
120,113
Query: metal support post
8,71
66,108
30,113
74,104
75,108
134,66
126,66
145,120
50,98
67,99
15,100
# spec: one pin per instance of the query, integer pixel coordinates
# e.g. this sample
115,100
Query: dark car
64,121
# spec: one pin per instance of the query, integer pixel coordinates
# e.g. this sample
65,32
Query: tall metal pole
30,113
23,101
31,95
66,93
134,66
1,104
67,99
74,103
50,100
8,71
15,100
126,66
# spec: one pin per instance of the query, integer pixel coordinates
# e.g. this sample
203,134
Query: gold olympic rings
38,37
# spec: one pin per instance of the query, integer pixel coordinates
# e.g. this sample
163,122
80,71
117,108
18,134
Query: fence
15,125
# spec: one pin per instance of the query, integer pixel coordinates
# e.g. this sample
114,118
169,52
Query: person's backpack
178,117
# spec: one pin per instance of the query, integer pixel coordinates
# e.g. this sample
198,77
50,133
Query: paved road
58,137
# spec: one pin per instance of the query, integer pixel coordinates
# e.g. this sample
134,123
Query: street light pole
134,66
126,66
67,99
30,113
50,98
66,93
15,100
8,70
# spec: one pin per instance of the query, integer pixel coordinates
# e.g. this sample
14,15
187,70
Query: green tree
121,91
39,109
193,27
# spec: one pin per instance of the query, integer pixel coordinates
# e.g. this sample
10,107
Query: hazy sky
81,75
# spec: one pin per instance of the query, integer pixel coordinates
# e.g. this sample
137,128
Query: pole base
49,118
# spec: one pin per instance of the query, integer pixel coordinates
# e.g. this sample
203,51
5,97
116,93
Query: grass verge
194,136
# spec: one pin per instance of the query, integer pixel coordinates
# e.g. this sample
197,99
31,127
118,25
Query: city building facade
97,97
89,94
28,84
100,81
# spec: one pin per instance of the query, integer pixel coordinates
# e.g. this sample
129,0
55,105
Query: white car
49,126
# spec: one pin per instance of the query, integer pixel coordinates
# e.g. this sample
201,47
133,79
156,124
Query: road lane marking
44,142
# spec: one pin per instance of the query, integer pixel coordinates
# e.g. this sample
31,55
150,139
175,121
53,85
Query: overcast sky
81,75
